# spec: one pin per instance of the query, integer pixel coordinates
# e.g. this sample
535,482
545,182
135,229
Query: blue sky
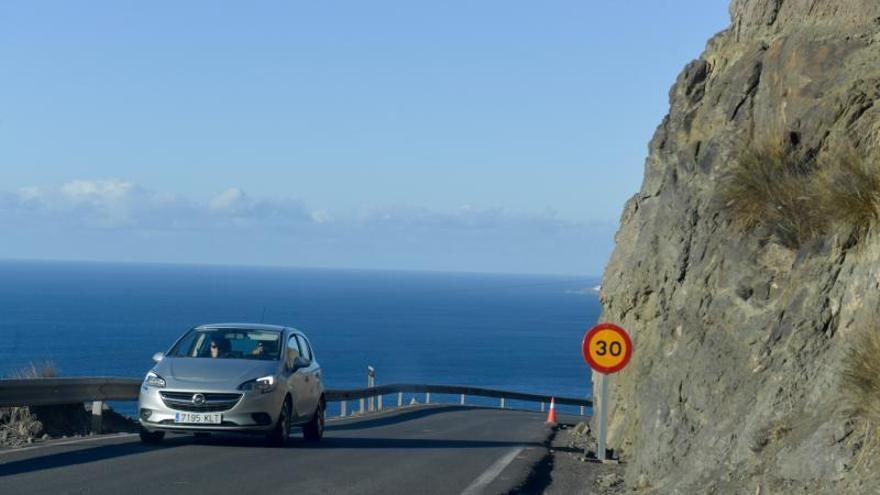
477,136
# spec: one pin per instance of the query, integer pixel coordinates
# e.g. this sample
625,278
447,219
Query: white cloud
144,224
97,203
321,216
232,200
97,191
119,204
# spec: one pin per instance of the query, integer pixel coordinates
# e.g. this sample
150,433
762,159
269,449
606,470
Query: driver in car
265,350
219,348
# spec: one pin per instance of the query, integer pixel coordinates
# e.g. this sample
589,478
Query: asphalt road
430,450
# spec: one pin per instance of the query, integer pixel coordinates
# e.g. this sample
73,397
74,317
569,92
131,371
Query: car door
297,384
313,374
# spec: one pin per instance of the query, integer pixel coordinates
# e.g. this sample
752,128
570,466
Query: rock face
738,338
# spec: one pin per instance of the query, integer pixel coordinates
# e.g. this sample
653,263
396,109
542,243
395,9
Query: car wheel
281,433
151,437
314,429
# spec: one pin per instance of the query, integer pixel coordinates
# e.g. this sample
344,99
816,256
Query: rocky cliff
739,337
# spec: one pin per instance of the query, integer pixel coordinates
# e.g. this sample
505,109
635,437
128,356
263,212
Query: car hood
215,372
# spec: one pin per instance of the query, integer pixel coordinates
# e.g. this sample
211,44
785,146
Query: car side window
292,350
308,346
304,345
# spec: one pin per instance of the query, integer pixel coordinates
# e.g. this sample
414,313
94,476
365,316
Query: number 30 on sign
607,348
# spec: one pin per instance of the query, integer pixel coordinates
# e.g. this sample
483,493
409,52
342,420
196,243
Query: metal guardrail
419,388
55,391
343,396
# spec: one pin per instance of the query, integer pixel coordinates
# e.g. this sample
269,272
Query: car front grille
214,402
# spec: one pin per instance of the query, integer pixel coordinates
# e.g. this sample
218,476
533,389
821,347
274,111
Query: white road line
68,442
490,474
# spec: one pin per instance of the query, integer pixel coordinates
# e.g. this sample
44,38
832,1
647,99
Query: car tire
151,437
280,435
314,429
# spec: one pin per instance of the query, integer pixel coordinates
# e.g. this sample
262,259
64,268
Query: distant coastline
587,291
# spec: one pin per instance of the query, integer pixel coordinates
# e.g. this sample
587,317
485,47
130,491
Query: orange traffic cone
551,416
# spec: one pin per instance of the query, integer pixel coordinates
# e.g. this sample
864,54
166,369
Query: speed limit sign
607,348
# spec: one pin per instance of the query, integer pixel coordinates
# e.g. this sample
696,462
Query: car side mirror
299,362
158,356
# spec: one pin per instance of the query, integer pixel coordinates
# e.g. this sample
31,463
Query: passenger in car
219,348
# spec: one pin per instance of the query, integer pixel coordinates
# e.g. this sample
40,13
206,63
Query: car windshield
229,343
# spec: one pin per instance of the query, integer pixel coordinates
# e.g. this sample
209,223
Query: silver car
234,377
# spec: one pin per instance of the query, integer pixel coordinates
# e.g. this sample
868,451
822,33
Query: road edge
518,476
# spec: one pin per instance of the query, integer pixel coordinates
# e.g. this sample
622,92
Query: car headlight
265,384
154,380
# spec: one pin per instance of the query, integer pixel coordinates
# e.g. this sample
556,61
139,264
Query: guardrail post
371,382
380,402
427,397
362,406
97,411
342,408
399,399
502,403
462,399
542,407
582,410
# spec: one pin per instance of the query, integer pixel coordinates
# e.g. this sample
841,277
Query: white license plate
198,418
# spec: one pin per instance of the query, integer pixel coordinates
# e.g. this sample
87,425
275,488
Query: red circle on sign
591,334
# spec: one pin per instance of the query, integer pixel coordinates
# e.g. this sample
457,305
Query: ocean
516,332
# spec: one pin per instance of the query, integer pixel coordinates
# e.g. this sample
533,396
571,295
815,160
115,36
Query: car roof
245,326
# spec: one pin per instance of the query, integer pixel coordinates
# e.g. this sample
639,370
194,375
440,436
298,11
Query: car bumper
254,412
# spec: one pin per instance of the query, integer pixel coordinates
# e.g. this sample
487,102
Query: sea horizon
510,331
297,267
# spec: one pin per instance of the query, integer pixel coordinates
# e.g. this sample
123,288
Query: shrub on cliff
849,187
772,190
767,188
860,377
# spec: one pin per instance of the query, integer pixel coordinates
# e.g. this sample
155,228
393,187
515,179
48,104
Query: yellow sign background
603,343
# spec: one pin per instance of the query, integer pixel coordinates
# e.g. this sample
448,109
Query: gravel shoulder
566,470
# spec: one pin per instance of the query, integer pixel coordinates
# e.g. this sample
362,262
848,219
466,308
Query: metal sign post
607,348
603,416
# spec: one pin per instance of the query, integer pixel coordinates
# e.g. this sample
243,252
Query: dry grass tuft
850,192
39,369
778,430
771,189
767,188
860,377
